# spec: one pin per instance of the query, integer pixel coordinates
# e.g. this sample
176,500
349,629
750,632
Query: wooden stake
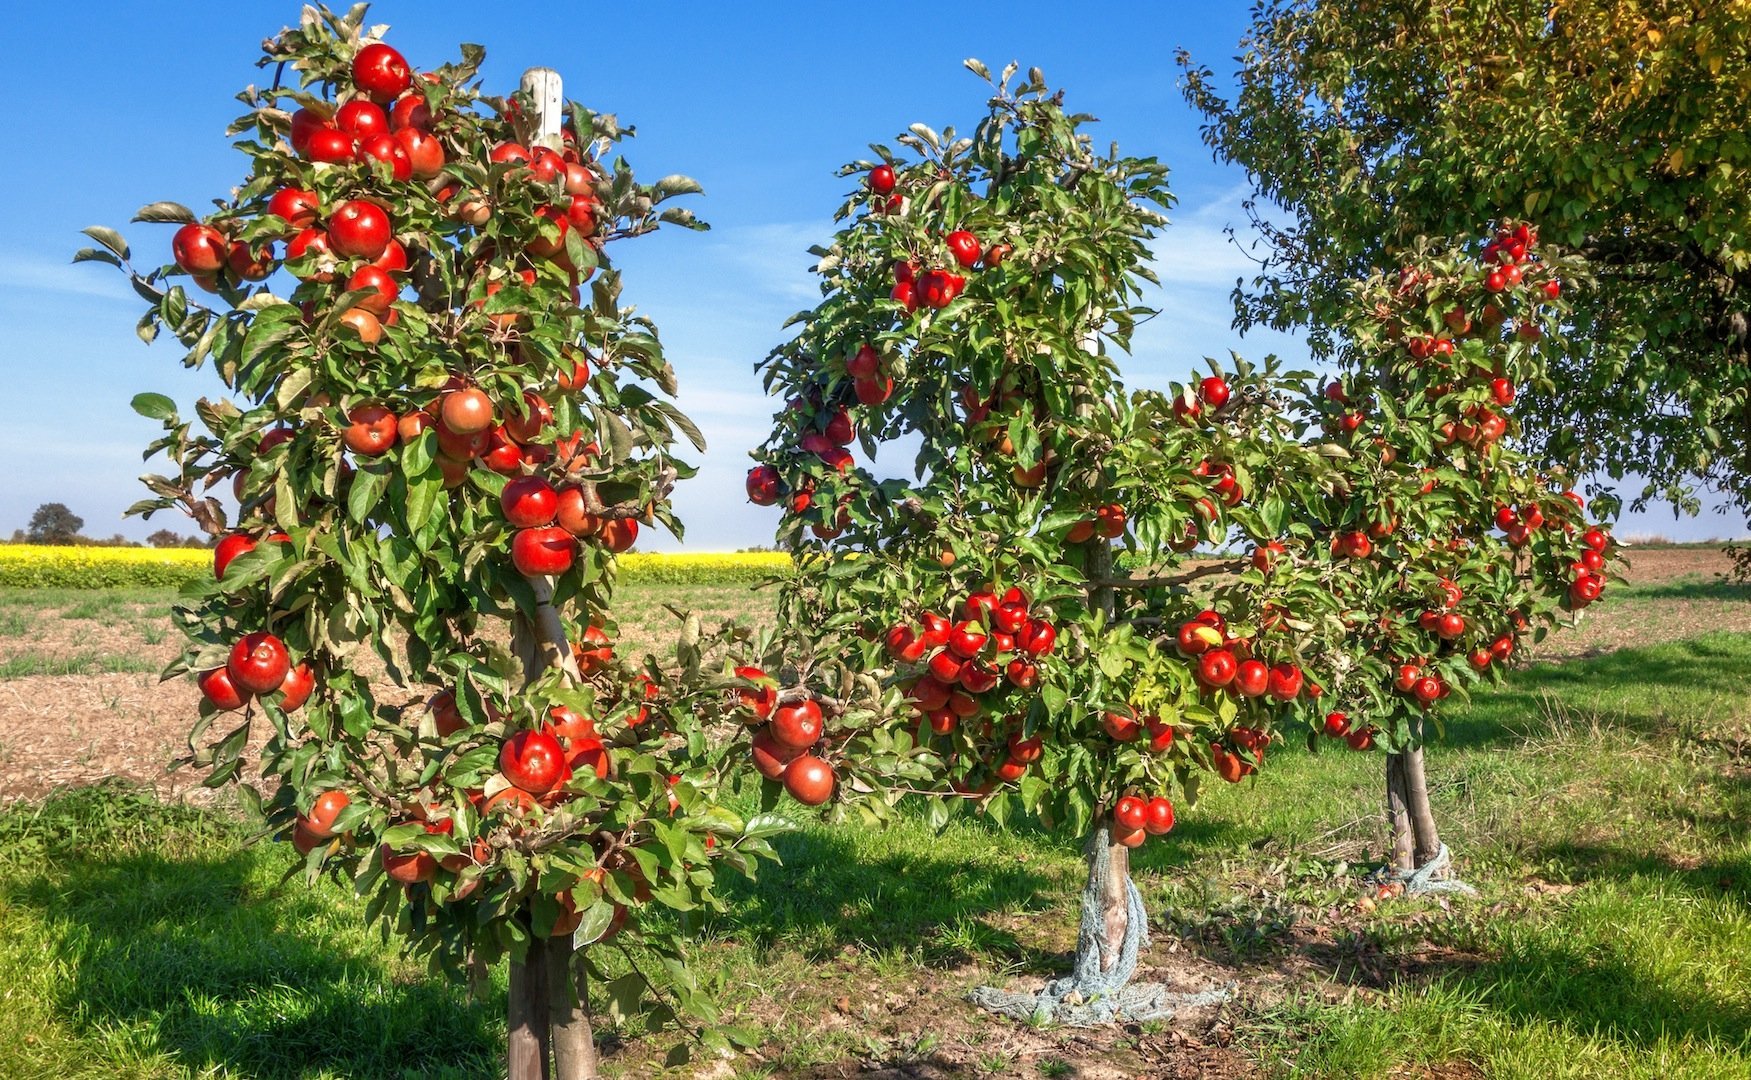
526,1017
545,86
550,1033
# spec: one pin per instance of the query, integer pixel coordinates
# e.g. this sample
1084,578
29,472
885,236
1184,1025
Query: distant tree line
54,523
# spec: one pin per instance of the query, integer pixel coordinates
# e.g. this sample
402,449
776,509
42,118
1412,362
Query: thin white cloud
1195,249
20,270
777,256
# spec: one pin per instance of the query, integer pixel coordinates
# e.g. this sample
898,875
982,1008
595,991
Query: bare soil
86,721
1672,602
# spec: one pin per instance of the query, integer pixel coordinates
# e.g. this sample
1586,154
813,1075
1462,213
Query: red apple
533,761
200,249
217,687
359,230
259,663
381,72
547,550
529,502
298,207
809,780
797,725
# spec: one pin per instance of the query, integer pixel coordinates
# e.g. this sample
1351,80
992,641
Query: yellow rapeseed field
54,567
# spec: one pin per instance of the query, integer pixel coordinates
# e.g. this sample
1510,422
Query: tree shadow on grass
1600,990
188,952
828,895
954,897
1581,861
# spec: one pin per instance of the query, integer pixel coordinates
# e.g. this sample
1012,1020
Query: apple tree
441,423
1444,543
963,633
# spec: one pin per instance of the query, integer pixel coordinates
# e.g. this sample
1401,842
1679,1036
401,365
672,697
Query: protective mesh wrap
1089,995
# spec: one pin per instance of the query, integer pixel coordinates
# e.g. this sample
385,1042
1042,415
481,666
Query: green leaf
619,436
595,923
154,407
163,212
108,237
369,482
96,255
670,186
768,825
624,995
261,301
682,422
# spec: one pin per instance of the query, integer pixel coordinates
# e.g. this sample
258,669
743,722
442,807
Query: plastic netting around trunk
1091,995
1434,876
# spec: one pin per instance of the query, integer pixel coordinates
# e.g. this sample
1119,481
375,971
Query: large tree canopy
1616,126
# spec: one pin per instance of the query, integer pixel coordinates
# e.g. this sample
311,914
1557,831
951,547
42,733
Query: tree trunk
1115,909
1427,839
559,1013
526,1017
1398,817
1106,915
574,1043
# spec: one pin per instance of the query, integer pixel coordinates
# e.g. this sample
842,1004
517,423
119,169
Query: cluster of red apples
788,730
969,664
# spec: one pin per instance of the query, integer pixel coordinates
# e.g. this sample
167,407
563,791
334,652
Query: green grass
142,941
79,663
1690,587
1600,805
98,602
1618,776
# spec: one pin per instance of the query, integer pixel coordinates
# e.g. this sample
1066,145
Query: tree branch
1231,566
790,695
635,508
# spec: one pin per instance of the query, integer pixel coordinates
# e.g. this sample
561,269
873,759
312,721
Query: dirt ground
99,710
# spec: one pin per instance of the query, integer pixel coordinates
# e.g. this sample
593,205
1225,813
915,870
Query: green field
1600,805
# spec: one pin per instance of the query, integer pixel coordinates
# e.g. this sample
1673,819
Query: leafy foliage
1616,128
373,545
1445,543
988,277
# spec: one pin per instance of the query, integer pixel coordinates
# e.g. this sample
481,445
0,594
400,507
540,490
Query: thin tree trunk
1109,875
526,1017
1109,862
1398,817
574,1043
1427,839
1115,907
549,1023
564,1019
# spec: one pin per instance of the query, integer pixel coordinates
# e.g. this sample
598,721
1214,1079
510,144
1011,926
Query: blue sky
759,102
